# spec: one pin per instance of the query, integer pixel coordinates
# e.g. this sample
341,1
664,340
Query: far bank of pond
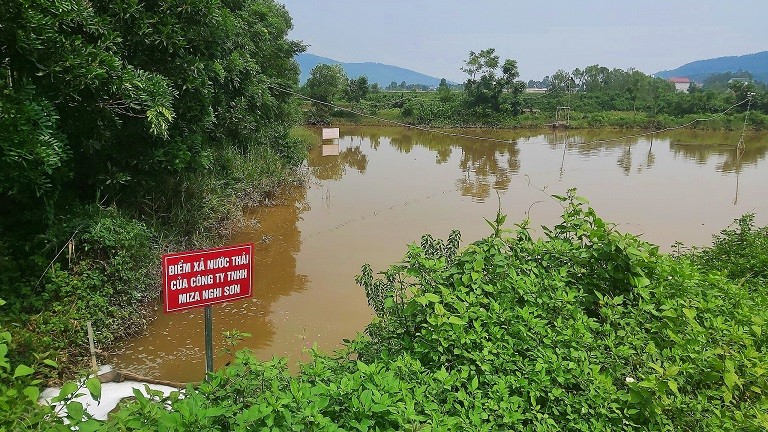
388,186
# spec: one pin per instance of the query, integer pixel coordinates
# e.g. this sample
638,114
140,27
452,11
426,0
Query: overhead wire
458,135
395,122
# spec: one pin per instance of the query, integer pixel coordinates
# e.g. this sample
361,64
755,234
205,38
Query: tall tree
325,83
120,102
487,82
356,89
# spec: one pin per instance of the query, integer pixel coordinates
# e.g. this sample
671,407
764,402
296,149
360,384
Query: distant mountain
376,72
698,71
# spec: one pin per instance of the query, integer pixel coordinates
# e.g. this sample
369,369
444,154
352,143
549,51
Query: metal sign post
208,341
202,278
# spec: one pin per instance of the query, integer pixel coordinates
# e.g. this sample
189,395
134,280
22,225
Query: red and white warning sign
204,277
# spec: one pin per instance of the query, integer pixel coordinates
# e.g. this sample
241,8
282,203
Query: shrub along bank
585,329
587,110
128,129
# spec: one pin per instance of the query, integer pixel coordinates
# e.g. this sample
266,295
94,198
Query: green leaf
673,386
33,393
23,370
730,379
378,408
456,320
75,411
90,425
432,297
94,387
66,390
727,396
51,363
322,402
3,359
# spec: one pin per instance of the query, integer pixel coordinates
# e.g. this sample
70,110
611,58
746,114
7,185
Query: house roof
680,80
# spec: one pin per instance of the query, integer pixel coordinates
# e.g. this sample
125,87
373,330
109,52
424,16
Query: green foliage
105,276
325,83
738,251
231,339
491,86
168,114
356,89
584,329
20,391
120,99
599,97
426,112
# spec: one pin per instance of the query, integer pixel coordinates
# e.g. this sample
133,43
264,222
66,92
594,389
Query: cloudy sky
435,36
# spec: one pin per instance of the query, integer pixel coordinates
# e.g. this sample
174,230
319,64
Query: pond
388,186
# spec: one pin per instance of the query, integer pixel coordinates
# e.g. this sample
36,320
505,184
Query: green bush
584,329
19,394
105,276
739,251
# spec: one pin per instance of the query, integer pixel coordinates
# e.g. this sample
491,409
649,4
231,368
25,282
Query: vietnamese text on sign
200,278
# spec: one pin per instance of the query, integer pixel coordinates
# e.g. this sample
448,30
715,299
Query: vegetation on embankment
584,329
127,132
427,109
492,96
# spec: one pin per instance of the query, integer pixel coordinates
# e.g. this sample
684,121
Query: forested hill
376,72
756,64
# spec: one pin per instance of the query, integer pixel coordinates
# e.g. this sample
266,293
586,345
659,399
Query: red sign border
200,252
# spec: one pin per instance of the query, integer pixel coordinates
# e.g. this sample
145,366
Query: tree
578,78
561,81
326,83
443,91
742,90
356,89
487,82
124,103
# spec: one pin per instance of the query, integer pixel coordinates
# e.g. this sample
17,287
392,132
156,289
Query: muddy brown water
388,186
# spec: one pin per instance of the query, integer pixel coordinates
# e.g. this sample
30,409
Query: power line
440,132
422,128
671,127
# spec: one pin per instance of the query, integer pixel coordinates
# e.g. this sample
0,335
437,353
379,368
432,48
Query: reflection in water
173,348
732,158
388,186
485,165
625,160
650,159
333,168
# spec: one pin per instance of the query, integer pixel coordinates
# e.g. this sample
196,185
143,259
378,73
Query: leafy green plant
738,250
20,391
583,329
231,339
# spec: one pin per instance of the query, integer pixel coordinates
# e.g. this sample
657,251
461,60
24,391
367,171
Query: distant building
535,90
682,84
